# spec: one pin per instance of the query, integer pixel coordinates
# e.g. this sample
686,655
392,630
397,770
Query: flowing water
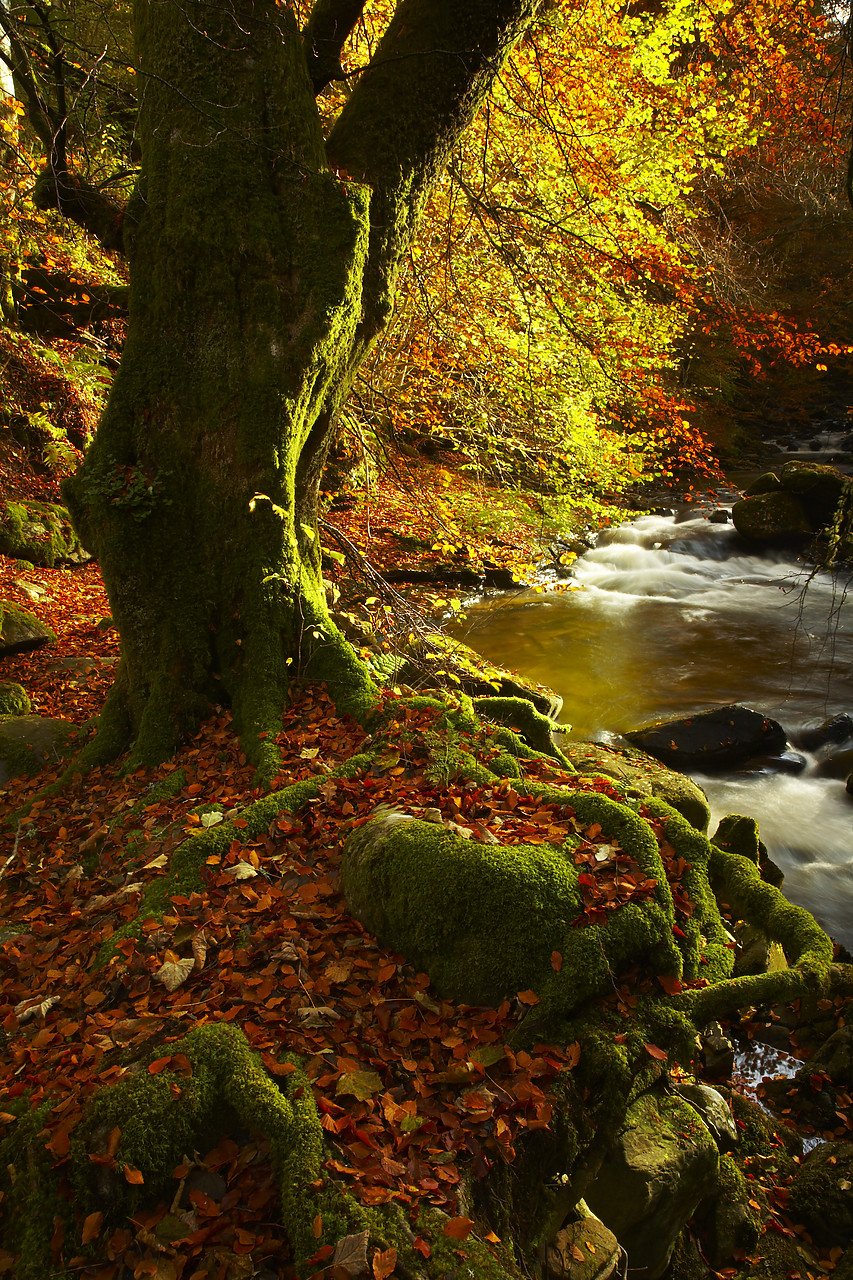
672,615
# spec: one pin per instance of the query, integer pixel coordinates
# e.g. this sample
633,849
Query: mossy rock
663,1164
642,775
14,700
817,486
29,744
776,519
484,920
222,1087
822,1196
20,631
40,532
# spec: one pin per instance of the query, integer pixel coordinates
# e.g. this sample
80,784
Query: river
670,615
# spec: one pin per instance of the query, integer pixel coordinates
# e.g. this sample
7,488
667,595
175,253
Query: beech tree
263,259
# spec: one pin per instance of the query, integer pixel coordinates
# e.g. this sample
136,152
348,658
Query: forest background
635,263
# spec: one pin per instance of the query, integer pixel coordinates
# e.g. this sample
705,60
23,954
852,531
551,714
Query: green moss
30,1201
442,901
161,1117
640,775
14,700
31,743
523,717
12,613
37,532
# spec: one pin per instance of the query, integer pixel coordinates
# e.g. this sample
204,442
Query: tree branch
426,81
84,204
327,31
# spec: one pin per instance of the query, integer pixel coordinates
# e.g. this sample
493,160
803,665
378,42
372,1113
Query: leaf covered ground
414,1092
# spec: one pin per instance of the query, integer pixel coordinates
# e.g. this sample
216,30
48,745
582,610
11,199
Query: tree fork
259,280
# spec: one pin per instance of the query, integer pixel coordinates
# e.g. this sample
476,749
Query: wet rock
20,632
662,1164
785,762
838,765
836,730
714,1111
718,1052
719,517
583,1250
822,1196
712,739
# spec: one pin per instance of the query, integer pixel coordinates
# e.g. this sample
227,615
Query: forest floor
413,1090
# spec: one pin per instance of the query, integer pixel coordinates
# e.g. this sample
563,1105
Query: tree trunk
259,278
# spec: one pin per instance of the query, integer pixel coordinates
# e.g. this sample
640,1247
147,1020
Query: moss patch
40,532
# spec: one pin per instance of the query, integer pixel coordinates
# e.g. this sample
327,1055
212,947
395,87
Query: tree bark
259,279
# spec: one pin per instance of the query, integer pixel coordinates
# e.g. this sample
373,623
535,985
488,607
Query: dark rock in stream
712,739
836,730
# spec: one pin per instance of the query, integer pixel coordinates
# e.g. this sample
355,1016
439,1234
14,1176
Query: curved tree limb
327,31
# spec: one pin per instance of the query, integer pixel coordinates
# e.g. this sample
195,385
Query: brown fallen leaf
174,972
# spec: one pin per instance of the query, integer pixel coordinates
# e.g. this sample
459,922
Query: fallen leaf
319,1017
174,972
211,819
351,1252
92,1227
361,1084
199,949
384,1263
655,1052
458,1228
37,1006
134,1176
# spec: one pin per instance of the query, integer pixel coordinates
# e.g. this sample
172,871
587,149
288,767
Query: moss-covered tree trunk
263,262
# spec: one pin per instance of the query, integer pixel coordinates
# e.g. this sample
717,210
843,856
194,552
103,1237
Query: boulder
14,700
40,532
661,1166
818,487
839,765
643,776
821,1197
712,739
775,518
20,632
483,920
29,743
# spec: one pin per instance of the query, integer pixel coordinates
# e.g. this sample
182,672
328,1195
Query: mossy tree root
165,1116
808,950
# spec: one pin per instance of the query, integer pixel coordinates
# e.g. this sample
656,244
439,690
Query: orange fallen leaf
458,1228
